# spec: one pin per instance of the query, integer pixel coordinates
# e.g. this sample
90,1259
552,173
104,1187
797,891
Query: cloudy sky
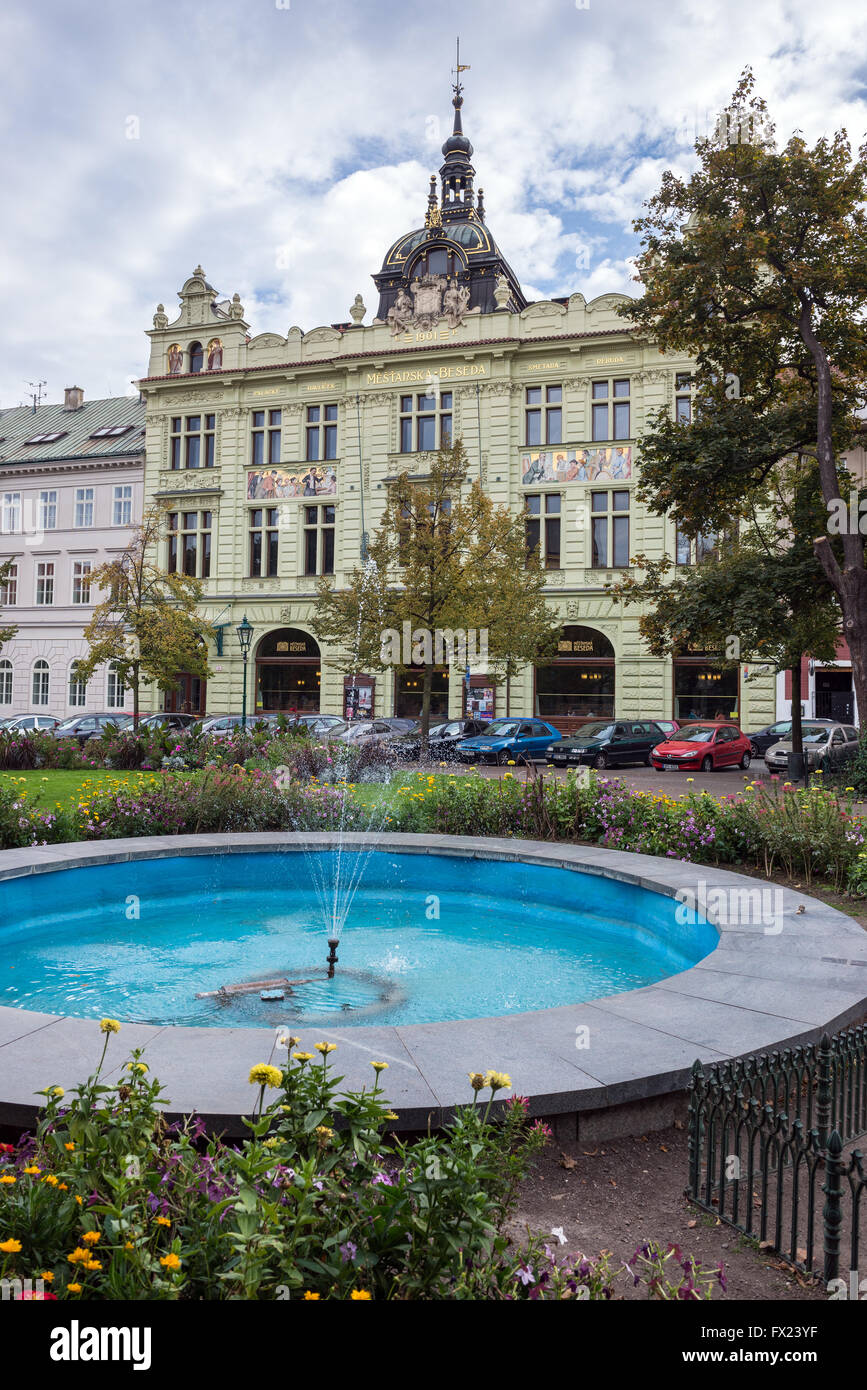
284,144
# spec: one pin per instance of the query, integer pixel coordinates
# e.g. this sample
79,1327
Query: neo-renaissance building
272,454
70,496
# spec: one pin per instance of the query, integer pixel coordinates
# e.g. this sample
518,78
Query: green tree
148,623
6,633
444,558
756,265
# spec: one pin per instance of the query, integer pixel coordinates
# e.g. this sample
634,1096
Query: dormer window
437,261
197,357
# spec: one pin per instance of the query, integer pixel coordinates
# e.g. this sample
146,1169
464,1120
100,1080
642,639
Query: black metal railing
767,1139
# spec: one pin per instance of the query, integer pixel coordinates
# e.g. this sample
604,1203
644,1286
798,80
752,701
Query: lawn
45,787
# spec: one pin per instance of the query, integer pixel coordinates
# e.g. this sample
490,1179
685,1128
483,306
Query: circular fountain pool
197,940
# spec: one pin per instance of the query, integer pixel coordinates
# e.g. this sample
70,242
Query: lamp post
245,637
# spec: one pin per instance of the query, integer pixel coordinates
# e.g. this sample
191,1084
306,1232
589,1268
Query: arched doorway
288,672
580,680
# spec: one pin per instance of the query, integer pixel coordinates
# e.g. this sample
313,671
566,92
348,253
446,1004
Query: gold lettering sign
321,386
270,391
607,361
296,646
424,376
282,646
545,366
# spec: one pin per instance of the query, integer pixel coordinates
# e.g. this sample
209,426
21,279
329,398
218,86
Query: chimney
73,398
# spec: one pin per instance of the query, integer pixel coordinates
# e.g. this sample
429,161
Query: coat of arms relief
427,300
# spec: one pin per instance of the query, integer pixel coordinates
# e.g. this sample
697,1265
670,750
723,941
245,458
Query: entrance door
188,697
835,698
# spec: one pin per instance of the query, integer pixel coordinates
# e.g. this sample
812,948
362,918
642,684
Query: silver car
826,747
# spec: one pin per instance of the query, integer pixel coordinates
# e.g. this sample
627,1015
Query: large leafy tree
443,557
148,622
757,266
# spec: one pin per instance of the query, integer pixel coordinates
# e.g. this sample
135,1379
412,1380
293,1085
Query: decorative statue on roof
456,301
401,313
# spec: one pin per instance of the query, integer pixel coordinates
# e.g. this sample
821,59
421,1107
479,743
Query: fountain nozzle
333,944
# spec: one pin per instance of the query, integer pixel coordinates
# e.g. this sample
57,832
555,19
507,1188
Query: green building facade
273,453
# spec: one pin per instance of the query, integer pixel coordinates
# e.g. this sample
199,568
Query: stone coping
756,991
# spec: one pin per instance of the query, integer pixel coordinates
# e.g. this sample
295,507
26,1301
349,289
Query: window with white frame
10,516
48,510
44,583
609,533
84,506
9,588
40,683
682,398
5,681
81,572
77,687
122,508
116,692
610,409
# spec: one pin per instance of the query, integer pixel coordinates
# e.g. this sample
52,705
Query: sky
285,144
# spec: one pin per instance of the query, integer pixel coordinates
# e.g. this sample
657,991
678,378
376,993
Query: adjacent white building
71,492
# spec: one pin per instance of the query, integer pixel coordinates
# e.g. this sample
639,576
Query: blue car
507,740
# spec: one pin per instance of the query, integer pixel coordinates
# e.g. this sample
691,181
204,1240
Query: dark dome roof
457,142
473,238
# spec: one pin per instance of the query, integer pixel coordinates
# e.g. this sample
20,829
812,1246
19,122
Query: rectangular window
9,588
115,692
609,529
5,682
83,506
189,544
542,528
77,688
690,551
264,533
81,571
610,413
319,524
40,683
543,413
191,442
321,434
11,517
267,436
44,583
682,398
122,505
48,511
425,422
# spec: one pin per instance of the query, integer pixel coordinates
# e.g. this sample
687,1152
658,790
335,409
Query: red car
704,746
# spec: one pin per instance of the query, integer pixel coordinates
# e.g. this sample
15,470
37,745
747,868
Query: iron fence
768,1138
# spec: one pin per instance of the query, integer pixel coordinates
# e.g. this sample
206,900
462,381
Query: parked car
42,723
775,733
316,723
826,747
224,725
363,730
608,743
510,739
668,726
705,746
165,720
444,739
402,724
84,727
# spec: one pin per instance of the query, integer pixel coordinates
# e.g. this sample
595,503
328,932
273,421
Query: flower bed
107,1201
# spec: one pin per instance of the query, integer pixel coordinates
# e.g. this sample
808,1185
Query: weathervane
458,68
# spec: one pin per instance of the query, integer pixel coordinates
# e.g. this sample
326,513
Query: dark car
84,727
165,720
762,740
608,743
509,740
316,723
443,739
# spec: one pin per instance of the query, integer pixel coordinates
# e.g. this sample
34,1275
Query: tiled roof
75,428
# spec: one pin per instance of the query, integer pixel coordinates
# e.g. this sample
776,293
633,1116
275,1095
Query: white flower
559,1233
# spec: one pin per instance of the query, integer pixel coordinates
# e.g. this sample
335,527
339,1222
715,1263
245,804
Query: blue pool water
427,938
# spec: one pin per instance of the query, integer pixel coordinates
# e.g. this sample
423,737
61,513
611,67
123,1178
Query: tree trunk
797,725
425,713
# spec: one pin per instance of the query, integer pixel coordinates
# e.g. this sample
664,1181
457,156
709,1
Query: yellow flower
69,1147
109,1025
379,1066
10,1247
93,1264
311,1297
78,1200
139,1067
325,1048
47,1276
170,1261
33,1169
73,1288
57,1092
91,1237
163,1221
391,1115
264,1075
360,1296
128,1245
477,1080
303,1057
8,1179
51,1179
78,1256
288,1042
497,1080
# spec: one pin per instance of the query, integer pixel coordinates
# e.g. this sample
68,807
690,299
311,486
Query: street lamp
245,637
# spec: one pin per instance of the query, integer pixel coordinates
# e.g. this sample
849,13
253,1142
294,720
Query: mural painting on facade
215,355
576,465
274,484
176,359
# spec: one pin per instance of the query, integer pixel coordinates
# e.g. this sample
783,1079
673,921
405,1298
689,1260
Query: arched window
436,261
40,683
77,688
197,357
116,694
5,682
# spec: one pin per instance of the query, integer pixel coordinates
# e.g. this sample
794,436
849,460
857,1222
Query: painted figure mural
274,484
215,355
176,359
610,464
